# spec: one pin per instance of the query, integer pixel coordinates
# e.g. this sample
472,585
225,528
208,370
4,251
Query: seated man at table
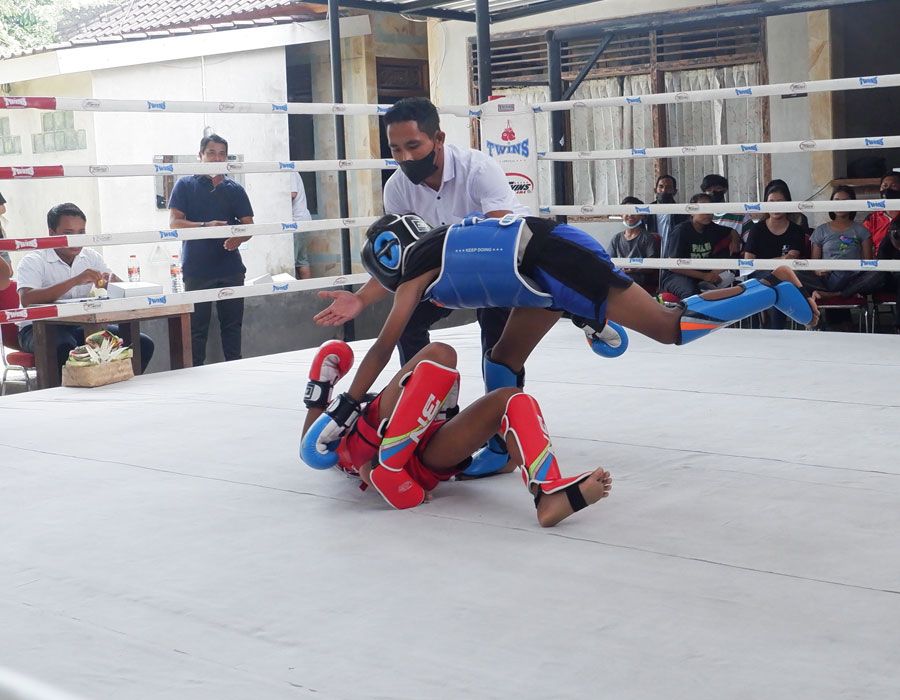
46,276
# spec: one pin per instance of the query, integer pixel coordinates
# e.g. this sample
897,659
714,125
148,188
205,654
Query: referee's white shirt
472,182
43,268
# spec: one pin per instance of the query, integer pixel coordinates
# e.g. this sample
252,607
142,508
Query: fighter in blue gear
541,269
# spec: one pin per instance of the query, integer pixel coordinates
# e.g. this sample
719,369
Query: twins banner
508,136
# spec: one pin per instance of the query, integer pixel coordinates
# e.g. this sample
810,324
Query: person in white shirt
300,212
443,184
46,276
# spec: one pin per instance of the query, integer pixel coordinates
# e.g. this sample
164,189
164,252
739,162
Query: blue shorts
574,268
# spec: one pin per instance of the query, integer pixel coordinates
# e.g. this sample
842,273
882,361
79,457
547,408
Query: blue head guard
386,243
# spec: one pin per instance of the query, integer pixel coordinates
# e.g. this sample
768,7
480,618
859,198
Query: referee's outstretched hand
344,307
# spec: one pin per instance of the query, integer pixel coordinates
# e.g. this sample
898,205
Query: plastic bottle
175,273
134,269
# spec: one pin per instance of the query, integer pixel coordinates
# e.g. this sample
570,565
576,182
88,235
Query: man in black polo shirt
198,201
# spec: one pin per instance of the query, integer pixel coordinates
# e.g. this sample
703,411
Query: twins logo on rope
807,145
280,287
22,172
157,301
234,167
165,235
869,81
19,315
746,263
642,210
30,243
15,102
281,107
92,306
156,106
290,165
290,227
742,92
875,143
164,168
750,148
752,207
868,263
876,204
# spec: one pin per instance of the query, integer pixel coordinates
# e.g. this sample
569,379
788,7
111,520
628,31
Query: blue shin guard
792,302
493,457
707,312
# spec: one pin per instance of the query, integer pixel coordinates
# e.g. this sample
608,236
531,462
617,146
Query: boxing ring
161,539
748,548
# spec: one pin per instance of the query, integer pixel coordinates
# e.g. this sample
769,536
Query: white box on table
118,290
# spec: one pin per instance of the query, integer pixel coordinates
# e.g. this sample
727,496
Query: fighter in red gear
406,440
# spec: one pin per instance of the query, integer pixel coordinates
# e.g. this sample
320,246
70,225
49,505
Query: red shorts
360,446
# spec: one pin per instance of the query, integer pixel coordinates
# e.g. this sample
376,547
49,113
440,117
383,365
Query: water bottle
175,273
134,269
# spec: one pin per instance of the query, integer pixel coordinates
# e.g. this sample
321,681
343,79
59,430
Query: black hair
61,210
667,177
778,186
212,138
420,110
887,176
700,196
713,180
850,192
631,200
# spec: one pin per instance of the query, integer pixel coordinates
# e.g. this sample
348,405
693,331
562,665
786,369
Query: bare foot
555,507
786,274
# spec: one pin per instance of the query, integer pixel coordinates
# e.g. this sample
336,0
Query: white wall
29,200
128,204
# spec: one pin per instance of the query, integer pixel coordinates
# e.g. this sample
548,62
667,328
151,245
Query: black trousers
416,336
231,318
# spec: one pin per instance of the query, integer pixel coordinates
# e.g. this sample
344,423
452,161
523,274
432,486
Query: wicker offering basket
103,359
97,375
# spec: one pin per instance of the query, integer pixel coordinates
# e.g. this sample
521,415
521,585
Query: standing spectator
443,184
716,187
776,236
878,222
300,212
697,238
665,190
3,254
46,276
636,242
890,250
841,239
198,201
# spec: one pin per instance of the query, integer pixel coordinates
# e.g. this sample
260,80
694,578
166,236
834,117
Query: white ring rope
728,149
90,104
716,208
36,172
50,311
666,98
226,107
182,234
15,686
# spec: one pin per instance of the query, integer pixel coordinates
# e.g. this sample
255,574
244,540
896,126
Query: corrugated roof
150,19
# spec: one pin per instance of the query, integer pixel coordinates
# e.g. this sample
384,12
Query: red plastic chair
852,302
14,359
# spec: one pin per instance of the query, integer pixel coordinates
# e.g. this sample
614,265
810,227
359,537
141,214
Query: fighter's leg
502,368
556,497
700,314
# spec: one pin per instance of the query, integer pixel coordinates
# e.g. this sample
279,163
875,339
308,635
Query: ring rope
716,208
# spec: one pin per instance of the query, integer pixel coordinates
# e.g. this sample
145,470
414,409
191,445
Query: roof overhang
171,48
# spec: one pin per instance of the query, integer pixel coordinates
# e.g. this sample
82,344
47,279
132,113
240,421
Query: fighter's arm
408,296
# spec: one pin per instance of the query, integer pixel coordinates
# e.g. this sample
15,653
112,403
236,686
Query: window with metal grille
520,60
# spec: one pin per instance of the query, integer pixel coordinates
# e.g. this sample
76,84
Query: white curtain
528,96
716,122
610,128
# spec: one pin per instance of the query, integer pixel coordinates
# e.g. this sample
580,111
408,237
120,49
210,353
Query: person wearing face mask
716,188
636,242
665,191
878,222
698,238
443,184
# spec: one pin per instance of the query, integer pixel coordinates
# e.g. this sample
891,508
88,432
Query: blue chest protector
479,267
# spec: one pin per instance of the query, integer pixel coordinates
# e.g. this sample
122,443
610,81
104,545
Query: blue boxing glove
610,341
319,446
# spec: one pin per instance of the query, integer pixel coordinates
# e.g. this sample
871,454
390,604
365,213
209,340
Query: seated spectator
797,217
890,250
878,222
841,239
697,238
46,276
636,242
665,190
716,186
776,236
5,274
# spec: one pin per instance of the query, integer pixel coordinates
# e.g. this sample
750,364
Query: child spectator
636,242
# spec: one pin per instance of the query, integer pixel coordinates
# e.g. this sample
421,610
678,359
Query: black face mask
890,193
665,198
417,171
716,197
